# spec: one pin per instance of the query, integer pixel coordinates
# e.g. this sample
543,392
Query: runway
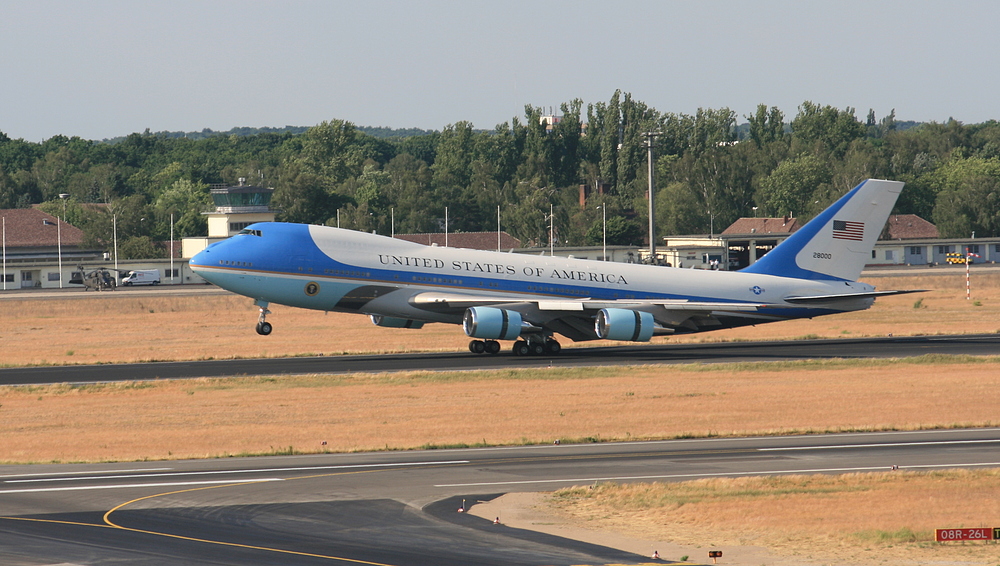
888,347
393,508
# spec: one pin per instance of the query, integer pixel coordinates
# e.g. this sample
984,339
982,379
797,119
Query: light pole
171,247
552,223
114,227
604,214
59,221
392,222
446,226
652,211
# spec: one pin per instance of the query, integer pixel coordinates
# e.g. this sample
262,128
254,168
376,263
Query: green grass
900,536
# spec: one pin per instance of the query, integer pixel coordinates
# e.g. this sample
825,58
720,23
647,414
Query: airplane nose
200,259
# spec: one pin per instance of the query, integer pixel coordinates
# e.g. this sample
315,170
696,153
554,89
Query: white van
142,277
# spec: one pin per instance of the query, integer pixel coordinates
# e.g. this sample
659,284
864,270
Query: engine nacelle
624,324
393,322
492,323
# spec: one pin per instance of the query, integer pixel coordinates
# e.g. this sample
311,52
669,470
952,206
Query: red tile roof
31,228
469,240
910,227
763,226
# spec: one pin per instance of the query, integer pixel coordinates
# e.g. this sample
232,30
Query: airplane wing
448,301
574,318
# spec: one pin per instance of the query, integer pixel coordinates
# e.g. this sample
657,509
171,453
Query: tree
766,125
789,188
678,210
409,190
968,197
139,247
186,201
621,232
833,128
301,196
8,190
330,152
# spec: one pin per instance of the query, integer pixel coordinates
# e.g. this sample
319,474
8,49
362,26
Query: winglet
836,244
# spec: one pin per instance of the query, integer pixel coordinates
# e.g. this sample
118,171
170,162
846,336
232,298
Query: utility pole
171,247
552,222
652,210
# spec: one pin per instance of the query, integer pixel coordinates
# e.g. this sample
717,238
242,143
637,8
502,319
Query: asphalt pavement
394,508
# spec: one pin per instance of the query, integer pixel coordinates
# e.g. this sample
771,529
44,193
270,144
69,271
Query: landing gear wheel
477,346
537,349
521,348
492,347
263,326
552,347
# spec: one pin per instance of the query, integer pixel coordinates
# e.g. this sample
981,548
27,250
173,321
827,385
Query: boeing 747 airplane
528,299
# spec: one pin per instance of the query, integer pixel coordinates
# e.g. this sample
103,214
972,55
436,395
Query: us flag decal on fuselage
847,230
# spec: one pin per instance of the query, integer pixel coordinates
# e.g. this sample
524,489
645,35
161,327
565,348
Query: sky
101,69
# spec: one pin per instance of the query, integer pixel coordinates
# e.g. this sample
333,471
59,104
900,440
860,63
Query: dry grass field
132,327
876,518
219,417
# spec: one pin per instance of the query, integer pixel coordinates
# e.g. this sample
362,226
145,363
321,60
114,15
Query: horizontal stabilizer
848,296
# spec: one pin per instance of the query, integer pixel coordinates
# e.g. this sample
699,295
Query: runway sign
982,533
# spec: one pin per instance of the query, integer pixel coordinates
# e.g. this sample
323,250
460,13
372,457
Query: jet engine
492,323
393,322
624,324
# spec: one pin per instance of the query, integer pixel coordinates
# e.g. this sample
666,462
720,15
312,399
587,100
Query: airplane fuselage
331,269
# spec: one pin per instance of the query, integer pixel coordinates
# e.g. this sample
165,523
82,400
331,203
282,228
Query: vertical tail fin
837,243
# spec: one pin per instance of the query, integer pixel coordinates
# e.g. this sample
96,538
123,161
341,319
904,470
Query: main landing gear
536,348
484,347
263,326
521,347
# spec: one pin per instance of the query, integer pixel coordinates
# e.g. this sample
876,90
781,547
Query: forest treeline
710,170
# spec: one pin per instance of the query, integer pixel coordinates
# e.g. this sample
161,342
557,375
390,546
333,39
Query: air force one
528,299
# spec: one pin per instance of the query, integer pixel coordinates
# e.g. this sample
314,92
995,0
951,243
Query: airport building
41,251
236,207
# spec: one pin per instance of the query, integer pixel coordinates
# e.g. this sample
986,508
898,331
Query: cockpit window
250,232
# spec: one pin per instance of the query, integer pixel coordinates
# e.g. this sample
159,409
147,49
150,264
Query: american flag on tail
848,230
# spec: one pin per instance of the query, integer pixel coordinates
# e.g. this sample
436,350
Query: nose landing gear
263,326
